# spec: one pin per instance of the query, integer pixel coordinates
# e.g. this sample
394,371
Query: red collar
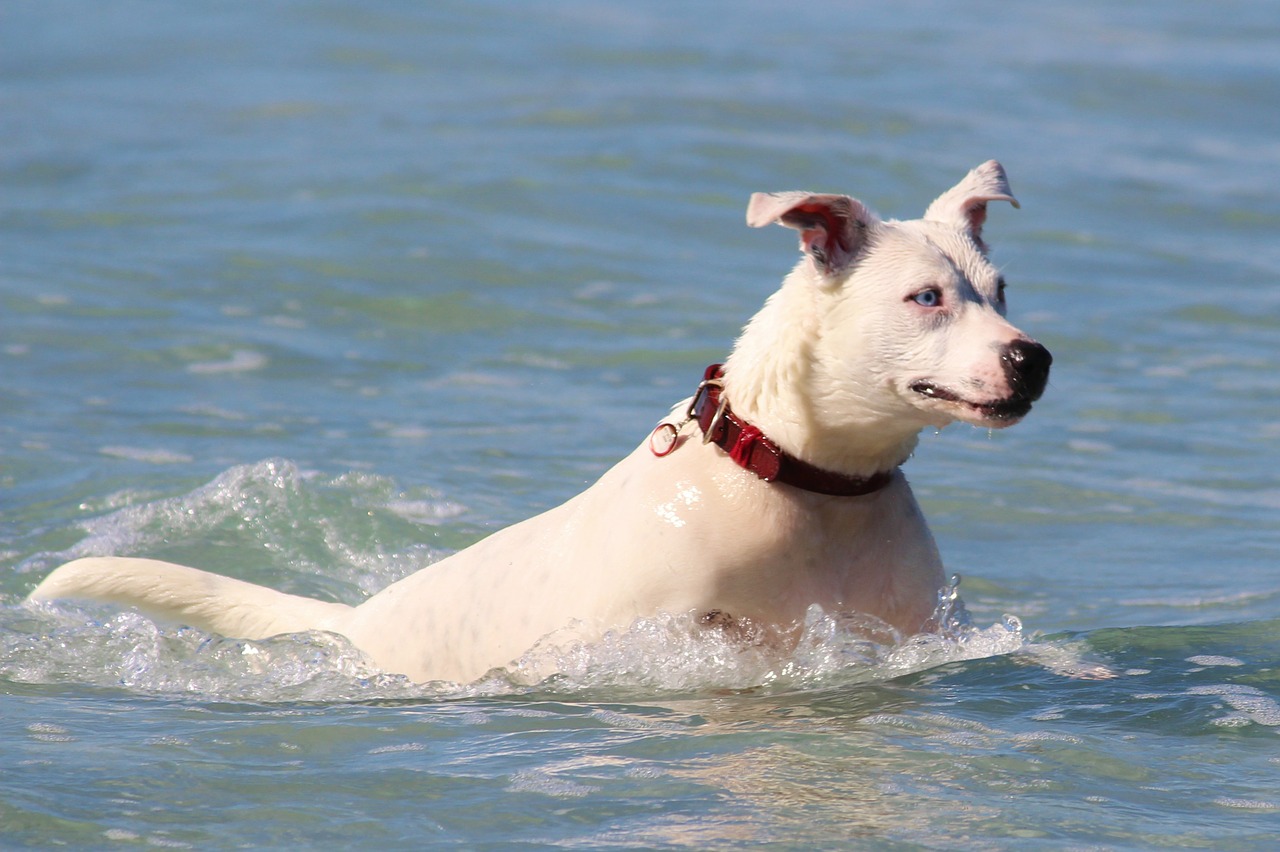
753,451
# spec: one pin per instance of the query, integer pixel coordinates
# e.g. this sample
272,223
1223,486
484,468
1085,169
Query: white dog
776,487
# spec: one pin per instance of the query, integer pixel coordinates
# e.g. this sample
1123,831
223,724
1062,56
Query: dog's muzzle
1026,370
1026,366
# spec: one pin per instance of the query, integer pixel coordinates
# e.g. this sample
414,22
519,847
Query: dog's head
907,318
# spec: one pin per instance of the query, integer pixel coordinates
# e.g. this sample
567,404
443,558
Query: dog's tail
189,596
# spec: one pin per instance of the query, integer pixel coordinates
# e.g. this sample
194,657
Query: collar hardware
752,450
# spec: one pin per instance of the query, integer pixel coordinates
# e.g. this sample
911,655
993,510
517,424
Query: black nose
1026,364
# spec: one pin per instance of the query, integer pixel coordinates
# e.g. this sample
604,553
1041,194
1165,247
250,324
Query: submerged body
617,552
882,329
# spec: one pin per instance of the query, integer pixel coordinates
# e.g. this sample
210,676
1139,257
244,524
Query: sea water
316,294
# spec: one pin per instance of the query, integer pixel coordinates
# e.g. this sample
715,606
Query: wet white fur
825,369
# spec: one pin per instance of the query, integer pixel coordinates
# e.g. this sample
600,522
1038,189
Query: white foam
240,361
1069,659
1245,804
426,511
1251,703
398,749
146,454
548,784
662,654
1214,660
676,653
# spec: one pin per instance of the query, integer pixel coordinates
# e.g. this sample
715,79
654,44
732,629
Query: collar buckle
752,450
711,386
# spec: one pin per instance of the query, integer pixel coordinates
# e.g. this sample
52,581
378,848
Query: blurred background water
316,293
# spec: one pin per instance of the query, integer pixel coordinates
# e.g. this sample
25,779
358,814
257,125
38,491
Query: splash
349,537
663,654
679,653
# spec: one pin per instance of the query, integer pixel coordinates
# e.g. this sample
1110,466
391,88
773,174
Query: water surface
317,294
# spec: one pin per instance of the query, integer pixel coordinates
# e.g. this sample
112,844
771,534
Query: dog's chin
990,414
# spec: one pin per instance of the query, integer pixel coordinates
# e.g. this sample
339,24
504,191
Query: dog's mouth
998,413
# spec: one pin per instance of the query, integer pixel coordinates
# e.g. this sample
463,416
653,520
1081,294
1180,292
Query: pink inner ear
977,216
820,226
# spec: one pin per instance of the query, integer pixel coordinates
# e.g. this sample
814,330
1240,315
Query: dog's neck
772,379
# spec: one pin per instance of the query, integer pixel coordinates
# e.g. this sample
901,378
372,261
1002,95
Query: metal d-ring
720,409
715,420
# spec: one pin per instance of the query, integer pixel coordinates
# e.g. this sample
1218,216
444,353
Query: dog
775,487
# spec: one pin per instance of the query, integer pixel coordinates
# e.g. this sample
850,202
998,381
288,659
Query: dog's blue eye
928,298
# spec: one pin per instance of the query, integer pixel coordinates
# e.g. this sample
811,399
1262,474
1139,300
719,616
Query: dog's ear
833,228
964,206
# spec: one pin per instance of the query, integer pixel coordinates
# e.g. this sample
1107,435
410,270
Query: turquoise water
314,294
